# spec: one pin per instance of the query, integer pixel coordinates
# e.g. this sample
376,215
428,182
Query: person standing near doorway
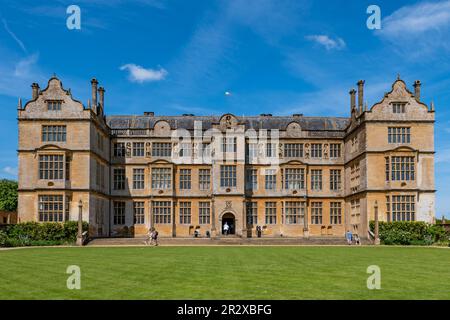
226,228
349,237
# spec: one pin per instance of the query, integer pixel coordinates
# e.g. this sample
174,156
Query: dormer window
54,105
398,107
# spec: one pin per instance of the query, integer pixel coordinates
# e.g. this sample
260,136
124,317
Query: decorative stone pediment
228,121
162,128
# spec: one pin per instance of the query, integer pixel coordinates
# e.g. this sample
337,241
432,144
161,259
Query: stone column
377,239
80,224
213,217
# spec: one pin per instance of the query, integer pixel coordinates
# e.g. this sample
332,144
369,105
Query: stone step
329,240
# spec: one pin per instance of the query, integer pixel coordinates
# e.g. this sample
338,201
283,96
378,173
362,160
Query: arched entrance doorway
228,218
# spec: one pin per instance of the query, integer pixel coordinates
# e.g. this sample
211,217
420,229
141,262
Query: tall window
251,152
51,208
403,208
139,212
335,213
316,212
185,212
53,133
271,150
335,150
316,150
119,212
294,212
185,179
119,149
161,178
228,176
355,177
54,105
293,150
399,135
316,180
51,167
185,150
161,149
204,179
138,179
270,179
335,180
251,179
271,213
401,168
251,209
162,212
119,178
229,144
294,179
138,149
399,107
355,212
204,213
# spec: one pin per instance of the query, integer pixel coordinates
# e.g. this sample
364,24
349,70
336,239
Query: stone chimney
352,100
417,89
101,93
360,94
94,84
34,91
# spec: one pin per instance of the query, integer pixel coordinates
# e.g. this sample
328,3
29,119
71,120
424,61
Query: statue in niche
325,150
148,150
280,150
307,151
128,149
175,149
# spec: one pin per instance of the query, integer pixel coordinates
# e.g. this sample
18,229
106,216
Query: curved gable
53,92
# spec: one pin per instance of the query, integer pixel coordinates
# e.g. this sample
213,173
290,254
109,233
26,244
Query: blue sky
273,56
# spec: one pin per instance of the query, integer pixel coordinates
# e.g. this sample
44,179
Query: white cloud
327,42
13,35
10,171
417,19
140,74
23,67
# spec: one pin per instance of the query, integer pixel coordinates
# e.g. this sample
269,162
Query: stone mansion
291,176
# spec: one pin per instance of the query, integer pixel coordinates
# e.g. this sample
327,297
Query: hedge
40,234
410,233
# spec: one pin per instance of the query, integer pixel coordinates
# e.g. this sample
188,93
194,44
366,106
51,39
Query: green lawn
225,273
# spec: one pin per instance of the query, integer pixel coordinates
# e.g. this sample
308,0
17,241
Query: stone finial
89,103
417,89
19,104
432,105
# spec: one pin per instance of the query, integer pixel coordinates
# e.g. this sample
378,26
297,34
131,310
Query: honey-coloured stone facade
290,176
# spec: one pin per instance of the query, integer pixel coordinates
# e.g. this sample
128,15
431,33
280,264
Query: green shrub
40,234
409,233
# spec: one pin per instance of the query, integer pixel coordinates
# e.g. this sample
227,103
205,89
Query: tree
8,195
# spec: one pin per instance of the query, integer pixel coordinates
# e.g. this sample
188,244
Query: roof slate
251,122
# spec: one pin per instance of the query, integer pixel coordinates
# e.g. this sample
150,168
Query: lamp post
80,224
377,239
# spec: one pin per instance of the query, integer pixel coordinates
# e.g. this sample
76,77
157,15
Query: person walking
349,237
155,237
149,236
226,228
